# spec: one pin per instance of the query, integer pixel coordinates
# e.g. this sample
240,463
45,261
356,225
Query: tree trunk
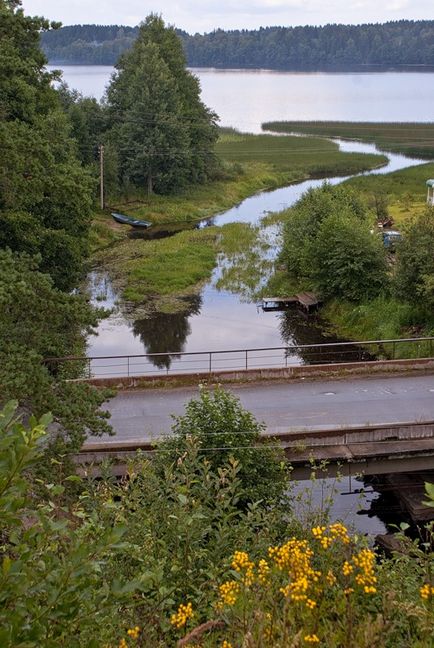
149,183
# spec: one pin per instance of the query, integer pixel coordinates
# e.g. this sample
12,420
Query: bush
53,588
223,430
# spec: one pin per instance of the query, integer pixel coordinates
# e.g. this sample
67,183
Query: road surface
316,404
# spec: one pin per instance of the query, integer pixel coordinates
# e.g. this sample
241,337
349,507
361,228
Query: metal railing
203,362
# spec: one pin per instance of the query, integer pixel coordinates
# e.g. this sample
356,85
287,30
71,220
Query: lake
246,98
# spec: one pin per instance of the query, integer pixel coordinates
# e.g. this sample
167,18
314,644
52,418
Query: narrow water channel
218,319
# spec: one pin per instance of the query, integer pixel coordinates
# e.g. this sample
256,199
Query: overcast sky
206,15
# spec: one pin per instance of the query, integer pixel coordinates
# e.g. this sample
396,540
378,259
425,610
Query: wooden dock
308,301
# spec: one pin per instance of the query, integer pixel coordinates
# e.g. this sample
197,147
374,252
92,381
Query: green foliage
328,245
42,185
38,321
223,429
128,552
415,262
348,261
161,131
54,589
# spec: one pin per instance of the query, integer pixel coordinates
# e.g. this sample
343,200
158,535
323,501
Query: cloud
206,15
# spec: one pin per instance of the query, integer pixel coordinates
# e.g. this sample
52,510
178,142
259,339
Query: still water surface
246,98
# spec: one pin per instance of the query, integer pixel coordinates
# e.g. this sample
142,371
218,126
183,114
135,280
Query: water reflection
166,332
297,328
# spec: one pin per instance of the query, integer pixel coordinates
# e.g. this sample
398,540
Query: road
316,404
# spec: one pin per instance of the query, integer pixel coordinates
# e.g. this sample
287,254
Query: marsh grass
250,163
159,270
413,139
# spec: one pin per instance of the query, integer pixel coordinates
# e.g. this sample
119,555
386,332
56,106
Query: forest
396,43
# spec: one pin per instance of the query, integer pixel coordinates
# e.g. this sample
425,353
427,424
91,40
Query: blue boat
127,220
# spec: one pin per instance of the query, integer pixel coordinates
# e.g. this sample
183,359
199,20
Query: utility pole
101,173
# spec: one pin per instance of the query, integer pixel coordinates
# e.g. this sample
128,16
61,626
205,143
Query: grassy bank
413,139
250,163
405,189
384,318
158,275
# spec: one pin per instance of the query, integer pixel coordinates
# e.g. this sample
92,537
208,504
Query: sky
206,15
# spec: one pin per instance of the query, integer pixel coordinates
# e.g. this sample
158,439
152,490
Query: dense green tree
415,263
348,261
305,218
88,122
41,180
38,321
162,132
328,245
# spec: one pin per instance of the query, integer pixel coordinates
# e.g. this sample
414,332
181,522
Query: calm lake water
246,98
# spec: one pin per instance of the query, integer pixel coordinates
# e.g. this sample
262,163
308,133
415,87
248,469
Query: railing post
393,351
89,372
128,366
210,362
246,359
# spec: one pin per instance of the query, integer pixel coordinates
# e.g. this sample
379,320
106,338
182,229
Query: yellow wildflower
185,612
426,591
229,592
263,571
123,644
133,632
347,568
226,644
365,562
331,578
339,531
244,566
312,638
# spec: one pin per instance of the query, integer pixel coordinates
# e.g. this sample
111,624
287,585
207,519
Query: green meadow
249,164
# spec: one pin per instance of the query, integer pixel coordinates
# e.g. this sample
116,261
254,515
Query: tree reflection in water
166,332
296,329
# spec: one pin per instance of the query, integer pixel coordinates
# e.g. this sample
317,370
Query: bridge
335,401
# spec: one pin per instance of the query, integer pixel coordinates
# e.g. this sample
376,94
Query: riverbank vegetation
249,164
202,543
330,245
159,275
403,42
412,139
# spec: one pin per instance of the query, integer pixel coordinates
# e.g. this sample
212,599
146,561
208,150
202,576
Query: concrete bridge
338,401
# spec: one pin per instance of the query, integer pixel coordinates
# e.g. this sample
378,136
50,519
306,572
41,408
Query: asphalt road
146,414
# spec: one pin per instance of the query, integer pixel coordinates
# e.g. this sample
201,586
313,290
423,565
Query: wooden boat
127,220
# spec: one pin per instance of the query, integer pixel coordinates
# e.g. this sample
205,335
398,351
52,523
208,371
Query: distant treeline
403,42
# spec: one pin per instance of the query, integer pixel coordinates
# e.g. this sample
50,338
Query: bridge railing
241,359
